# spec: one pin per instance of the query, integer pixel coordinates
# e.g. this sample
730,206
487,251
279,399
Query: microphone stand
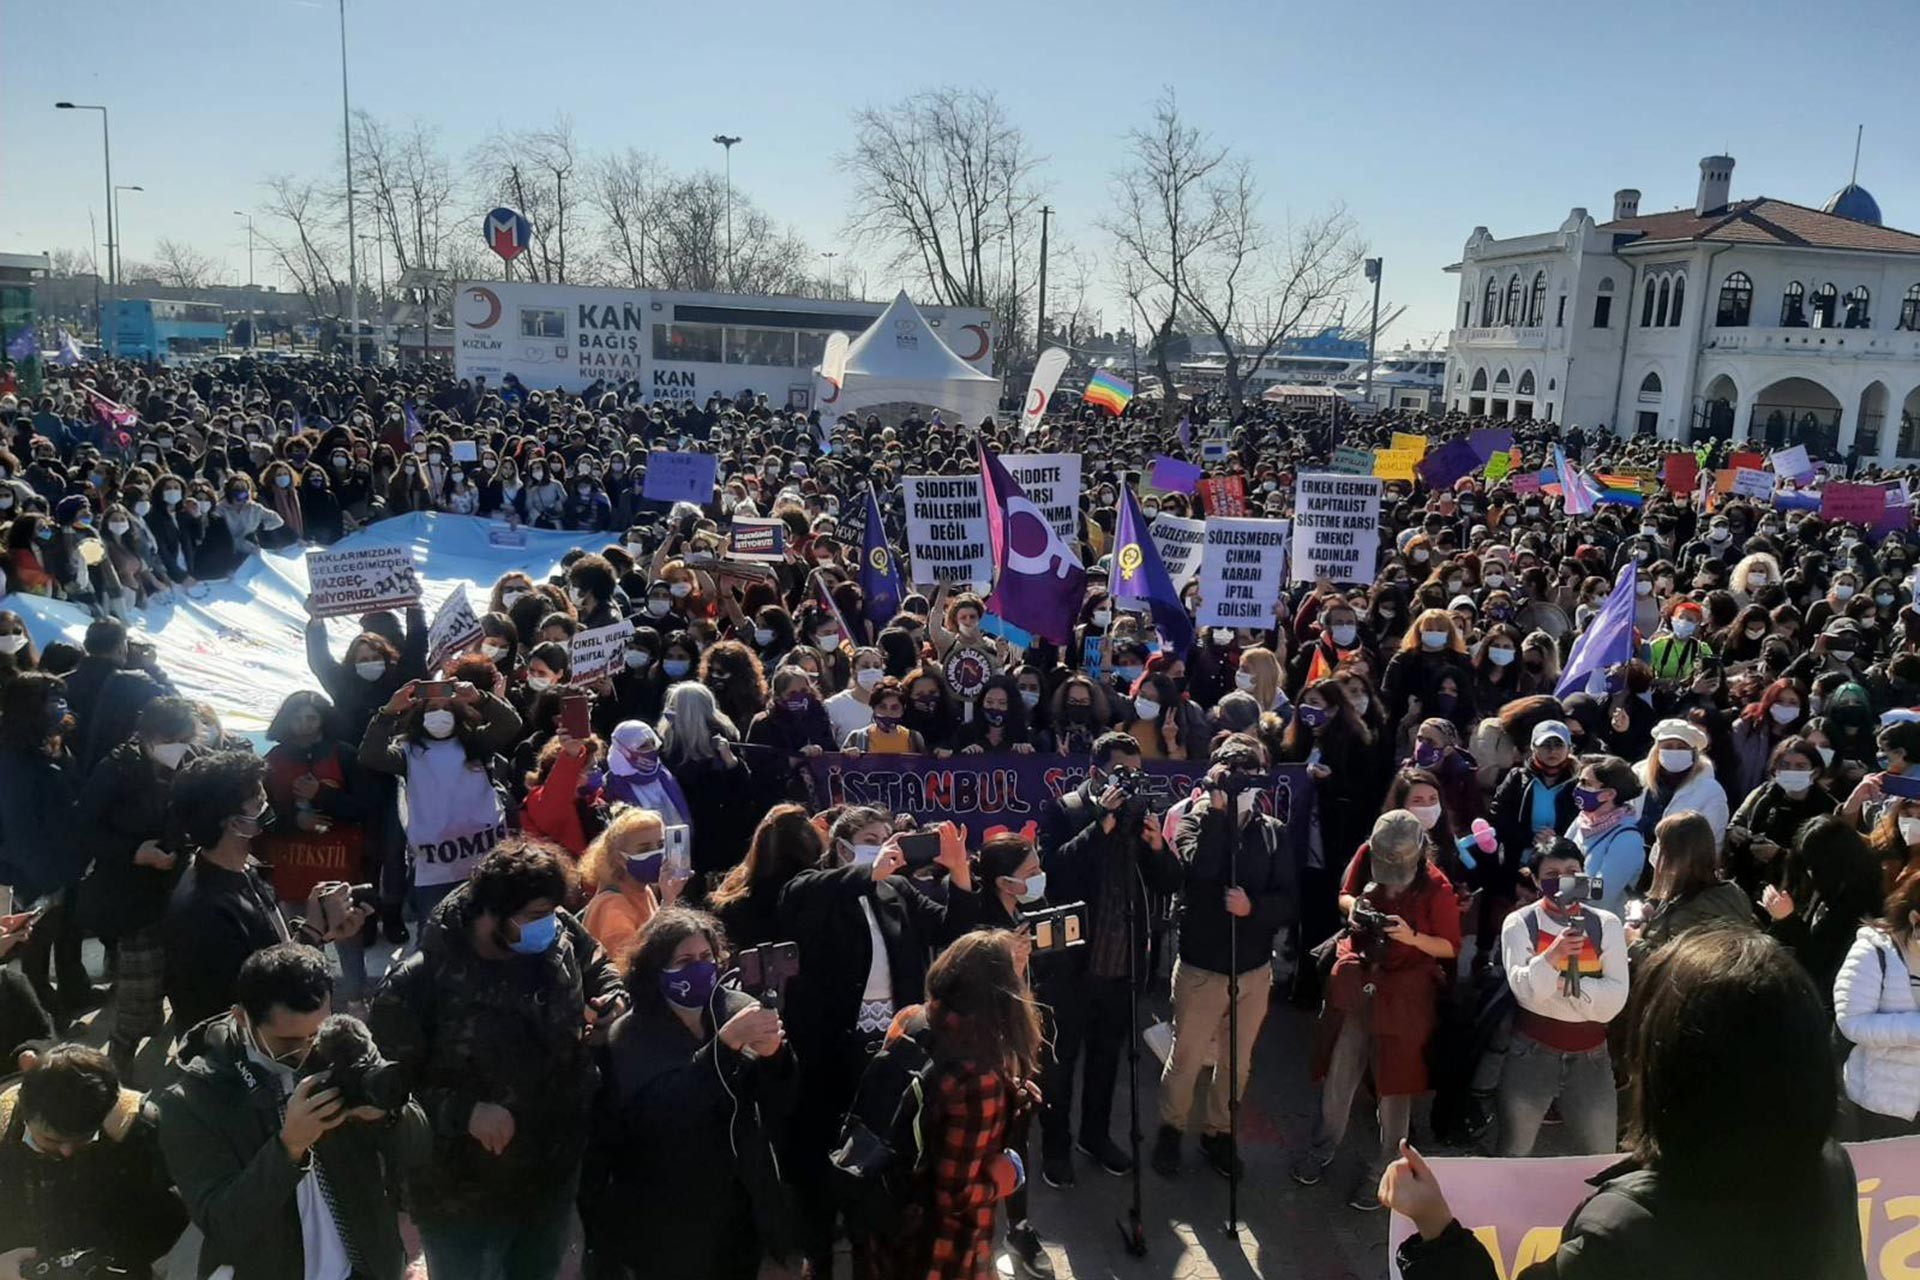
1133,1231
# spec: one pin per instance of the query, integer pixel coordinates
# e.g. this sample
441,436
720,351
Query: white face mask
1344,633
867,677
438,724
1428,814
1433,639
370,670
1643,588
681,590
1221,635
13,643
658,608
493,652
637,659
865,855
1910,830
1794,781
1243,681
1500,657
1841,591
539,684
1683,628
117,527
763,636
1031,697
141,507
1495,581
168,755
171,497
1784,714
1147,708
1101,617
1826,757
1676,759
512,596
1035,887
1757,579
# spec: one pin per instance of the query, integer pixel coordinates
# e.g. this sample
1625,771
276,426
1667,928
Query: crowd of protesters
514,1001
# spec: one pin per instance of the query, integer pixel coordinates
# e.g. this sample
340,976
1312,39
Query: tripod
1133,1231
1233,1042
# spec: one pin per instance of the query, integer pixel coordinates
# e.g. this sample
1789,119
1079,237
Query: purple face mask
796,703
691,985
1426,755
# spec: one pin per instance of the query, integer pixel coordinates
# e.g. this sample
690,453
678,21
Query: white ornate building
1751,318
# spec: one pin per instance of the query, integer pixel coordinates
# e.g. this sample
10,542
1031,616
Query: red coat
553,808
1405,989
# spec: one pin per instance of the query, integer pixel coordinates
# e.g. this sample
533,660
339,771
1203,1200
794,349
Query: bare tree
405,178
1170,209
938,177
625,191
533,171
66,263
181,266
688,247
305,238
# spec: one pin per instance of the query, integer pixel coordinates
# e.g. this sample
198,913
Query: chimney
1716,181
1626,204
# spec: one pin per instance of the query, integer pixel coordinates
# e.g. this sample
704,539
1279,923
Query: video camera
1568,892
346,1058
1057,928
1367,927
765,971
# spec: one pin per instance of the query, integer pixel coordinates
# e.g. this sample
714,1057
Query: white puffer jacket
1874,1006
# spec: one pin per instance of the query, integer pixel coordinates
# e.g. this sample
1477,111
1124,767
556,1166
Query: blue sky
1425,119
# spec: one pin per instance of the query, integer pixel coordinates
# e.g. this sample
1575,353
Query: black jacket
1511,818
1641,1226
123,804
1219,851
219,1130
683,1134
112,1194
37,852
1078,855
215,919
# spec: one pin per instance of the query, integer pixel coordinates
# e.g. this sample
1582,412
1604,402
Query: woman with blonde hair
1431,651
1259,675
624,870
1754,574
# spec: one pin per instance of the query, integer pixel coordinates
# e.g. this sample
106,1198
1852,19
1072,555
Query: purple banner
1007,792
1452,460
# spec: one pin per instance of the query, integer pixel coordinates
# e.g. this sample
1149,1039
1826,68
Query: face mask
584,490
1500,657
1428,814
1794,781
796,703
117,527
1147,708
539,684
1433,639
1031,697
1841,591
1588,801
763,636
681,590
1314,717
1757,579
867,677
1034,888
637,659
1420,555
168,755
171,497
44,534
1344,633
676,667
1755,633
645,867
1683,628
1676,760
691,985
1910,830
865,855
1719,534
536,936
539,473
1643,588
658,608
1129,674
1783,714
1456,585
886,724
438,723
1101,617
1826,757
13,643
1426,755
369,671
1243,681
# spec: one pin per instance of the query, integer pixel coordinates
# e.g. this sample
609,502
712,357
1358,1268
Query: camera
346,1058
1367,928
78,1264
1134,784
766,970
1569,892
1057,928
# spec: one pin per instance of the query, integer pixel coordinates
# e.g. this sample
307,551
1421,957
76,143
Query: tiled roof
1770,222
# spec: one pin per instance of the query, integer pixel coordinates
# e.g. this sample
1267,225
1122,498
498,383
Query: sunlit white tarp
901,359
240,644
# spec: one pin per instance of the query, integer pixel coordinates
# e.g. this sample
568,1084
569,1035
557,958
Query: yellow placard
1404,442
1395,464
1499,465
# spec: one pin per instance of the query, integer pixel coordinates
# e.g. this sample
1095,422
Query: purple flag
1607,641
1138,574
1038,582
879,572
1448,463
1170,475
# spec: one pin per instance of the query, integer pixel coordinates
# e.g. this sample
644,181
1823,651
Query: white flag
1046,376
827,378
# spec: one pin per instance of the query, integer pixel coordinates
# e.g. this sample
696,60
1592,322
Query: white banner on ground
350,580
597,652
947,539
1051,482
1178,542
1046,376
1336,527
454,628
1243,566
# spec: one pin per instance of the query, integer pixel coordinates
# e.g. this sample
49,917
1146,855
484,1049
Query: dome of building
1856,202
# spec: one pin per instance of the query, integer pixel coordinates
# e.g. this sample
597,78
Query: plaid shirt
972,1105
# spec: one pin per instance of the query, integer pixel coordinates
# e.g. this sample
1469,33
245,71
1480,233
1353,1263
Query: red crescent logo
1036,403
830,399
981,333
492,302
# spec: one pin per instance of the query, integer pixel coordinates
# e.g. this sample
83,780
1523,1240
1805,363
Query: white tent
900,359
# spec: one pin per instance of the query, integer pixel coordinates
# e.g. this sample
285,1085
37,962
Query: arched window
1910,309
1511,313
1650,389
1479,380
1856,310
1525,387
1603,303
1736,302
1537,303
1826,306
1646,307
1502,380
1679,300
1660,312
1793,307
1489,302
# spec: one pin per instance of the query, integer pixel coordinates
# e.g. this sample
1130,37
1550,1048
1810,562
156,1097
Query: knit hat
1685,730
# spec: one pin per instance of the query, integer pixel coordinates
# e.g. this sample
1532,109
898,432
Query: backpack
883,1140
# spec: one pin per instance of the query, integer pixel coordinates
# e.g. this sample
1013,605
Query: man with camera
80,1170
1566,961
1241,887
285,1131
1099,844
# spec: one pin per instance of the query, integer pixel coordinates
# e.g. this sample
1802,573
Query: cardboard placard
1682,472
1526,482
1223,495
1793,463
1336,528
1178,542
356,580
1499,466
1349,461
454,627
1853,503
1396,464
466,451
1749,483
1170,475
947,538
755,539
1406,442
681,477
1051,482
596,652
1243,567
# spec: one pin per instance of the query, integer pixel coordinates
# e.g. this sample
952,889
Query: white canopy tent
900,359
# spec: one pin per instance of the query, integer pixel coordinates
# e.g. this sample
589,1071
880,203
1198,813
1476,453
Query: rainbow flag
1621,490
1109,392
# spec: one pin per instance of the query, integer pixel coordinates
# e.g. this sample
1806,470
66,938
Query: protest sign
1336,528
1488,441
1682,472
1212,450
454,627
1793,463
1406,442
755,539
1170,475
1006,792
360,580
1749,483
466,451
1527,482
597,652
1853,503
1243,566
1396,464
1745,459
1518,1208
512,537
1349,461
1178,542
947,539
681,477
1499,466
1093,656
1051,482
1223,495
1448,463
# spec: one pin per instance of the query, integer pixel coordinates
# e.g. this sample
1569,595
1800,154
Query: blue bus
165,330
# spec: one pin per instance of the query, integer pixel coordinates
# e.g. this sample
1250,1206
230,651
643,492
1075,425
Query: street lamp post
108,337
121,223
253,327
1373,266
346,140
727,142
829,255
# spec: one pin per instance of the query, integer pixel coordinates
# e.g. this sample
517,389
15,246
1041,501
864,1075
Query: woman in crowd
739,684
1677,776
747,901
1431,651
1876,1003
697,1082
931,710
564,802
794,722
625,871
1610,840
1781,713
1763,828
1687,889
697,744
1833,883
888,734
